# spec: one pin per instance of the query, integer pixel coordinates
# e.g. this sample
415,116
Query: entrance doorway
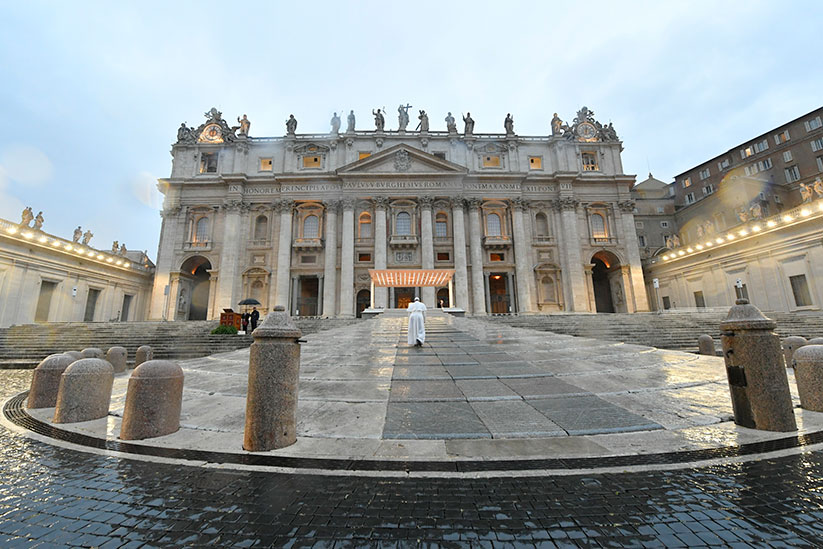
307,295
196,269
363,302
606,268
41,314
124,311
499,297
91,305
443,295
402,297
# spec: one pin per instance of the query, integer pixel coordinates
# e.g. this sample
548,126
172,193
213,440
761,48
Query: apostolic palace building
333,223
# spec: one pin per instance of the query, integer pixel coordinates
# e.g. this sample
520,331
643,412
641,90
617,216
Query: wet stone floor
55,497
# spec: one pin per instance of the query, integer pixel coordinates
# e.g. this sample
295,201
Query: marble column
488,295
234,242
638,284
346,306
427,246
461,284
380,253
295,292
283,254
172,231
514,301
476,250
575,283
522,262
330,260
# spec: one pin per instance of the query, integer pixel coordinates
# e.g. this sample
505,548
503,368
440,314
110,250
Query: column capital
332,206
565,204
283,205
380,202
348,203
626,206
474,203
234,206
521,203
426,202
457,202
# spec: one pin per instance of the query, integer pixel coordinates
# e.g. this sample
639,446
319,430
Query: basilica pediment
402,159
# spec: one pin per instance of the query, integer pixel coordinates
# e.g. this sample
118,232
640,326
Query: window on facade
535,162
641,240
311,162
638,224
364,257
667,302
311,227
589,162
497,257
813,124
549,293
493,225
261,228
441,225
686,182
208,163
308,259
443,256
491,161
787,156
365,226
782,137
403,223
363,155
820,163
723,164
817,144
660,209
704,173
598,226
792,173
690,198
699,300
440,155
265,165
541,224
664,224
201,233
800,289
708,189
765,164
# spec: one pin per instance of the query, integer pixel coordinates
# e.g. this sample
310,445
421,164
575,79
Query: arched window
261,227
493,225
441,225
542,224
598,226
201,233
404,223
549,295
310,227
365,226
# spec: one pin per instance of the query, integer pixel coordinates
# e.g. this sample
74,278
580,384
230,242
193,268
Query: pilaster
284,207
427,246
330,260
346,304
476,251
461,284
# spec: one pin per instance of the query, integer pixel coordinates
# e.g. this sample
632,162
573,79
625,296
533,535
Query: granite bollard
757,377
274,366
85,391
117,357
808,373
144,353
75,355
790,345
153,400
45,381
815,341
92,352
705,345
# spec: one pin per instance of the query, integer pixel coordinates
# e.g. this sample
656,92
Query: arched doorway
443,297
194,273
606,282
363,302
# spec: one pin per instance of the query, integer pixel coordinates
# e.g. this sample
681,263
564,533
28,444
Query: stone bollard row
75,355
790,345
45,381
144,353
92,352
705,345
85,391
117,357
815,341
808,374
153,400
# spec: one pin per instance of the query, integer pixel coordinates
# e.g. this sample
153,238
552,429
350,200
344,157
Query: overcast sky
92,93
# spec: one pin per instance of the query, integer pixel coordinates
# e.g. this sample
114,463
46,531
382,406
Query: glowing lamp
681,252
756,229
665,257
770,223
690,250
27,235
730,236
127,264
699,246
119,262
787,218
99,256
56,243
11,230
68,247
43,239
719,240
805,213
744,232
109,260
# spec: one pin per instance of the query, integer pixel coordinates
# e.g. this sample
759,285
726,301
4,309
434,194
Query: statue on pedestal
403,117
26,217
379,121
451,125
185,134
350,120
469,124
87,237
122,249
115,246
557,125
335,124
818,187
245,124
806,192
38,221
78,234
423,126
508,124
291,125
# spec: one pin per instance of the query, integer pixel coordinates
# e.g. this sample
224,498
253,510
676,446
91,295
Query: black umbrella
250,301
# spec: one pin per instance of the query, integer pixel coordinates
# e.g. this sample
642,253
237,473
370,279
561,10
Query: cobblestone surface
53,497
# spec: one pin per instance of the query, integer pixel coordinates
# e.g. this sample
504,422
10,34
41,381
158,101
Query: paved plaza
487,436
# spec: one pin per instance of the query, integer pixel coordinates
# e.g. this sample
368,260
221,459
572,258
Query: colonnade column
234,240
461,284
427,246
380,205
522,265
346,307
330,260
476,251
281,296
638,285
575,283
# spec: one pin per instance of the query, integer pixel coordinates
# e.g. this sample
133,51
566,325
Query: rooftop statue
350,120
87,237
26,217
806,192
818,187
403,117
423,126
335,124
557,125
185,134
451,125
78,234
122,249
469,124
115,246
508,124
291,125
245,124
379,121
38,221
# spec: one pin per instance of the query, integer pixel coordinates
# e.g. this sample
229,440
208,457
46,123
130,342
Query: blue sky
92,93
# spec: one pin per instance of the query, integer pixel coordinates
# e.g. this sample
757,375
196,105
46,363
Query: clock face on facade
212,134
586,131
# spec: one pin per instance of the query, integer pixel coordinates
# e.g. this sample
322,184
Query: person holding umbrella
255,316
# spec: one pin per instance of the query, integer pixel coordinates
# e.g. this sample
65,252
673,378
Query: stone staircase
670,330
25,346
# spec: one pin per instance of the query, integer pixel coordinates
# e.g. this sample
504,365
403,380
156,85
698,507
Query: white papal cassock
417,322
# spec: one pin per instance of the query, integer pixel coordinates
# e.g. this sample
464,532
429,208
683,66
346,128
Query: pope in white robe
417,322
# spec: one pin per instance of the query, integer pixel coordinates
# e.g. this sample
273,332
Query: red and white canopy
411,278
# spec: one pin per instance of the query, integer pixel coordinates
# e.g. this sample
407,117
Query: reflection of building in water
45,278
753,214
528,224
